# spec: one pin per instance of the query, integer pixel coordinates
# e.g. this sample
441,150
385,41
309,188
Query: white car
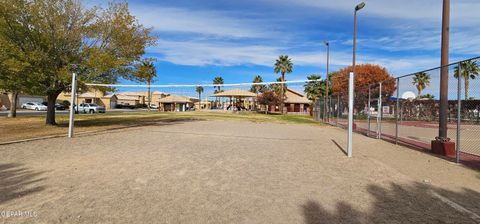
90,108
153,106
34,106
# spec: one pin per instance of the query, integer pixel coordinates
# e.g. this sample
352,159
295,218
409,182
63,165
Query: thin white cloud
225,54
206,22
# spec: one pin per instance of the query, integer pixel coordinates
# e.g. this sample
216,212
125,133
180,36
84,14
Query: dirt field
231,172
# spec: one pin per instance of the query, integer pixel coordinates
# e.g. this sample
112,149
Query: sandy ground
231,172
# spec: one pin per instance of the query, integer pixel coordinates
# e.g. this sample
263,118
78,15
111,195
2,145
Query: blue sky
199,40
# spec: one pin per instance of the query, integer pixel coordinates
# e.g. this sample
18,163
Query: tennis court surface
231,172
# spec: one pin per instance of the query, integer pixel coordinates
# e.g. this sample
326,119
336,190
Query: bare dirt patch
231,172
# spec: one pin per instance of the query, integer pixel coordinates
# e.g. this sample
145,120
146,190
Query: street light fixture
360,6
357,8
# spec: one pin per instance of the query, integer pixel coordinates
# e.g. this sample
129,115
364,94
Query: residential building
295,103
109,101
21,99
142,97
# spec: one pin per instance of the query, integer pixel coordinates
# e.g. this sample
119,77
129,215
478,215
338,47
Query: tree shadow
417,203
339,147
17,181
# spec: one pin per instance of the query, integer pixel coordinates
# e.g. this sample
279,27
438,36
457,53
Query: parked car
90,108
57,106
125,106
154,106
34,106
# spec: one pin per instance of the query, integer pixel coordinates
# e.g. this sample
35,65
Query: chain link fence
405,110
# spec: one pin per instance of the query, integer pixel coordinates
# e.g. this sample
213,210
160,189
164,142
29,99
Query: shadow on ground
17,181
418,203
339,147
128,121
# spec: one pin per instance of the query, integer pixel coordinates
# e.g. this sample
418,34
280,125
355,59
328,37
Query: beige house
128,100
142,97
205,104
109,101
21,99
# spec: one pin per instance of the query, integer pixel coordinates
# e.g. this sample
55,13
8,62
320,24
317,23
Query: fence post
397,108
338,109
368,111
379,113
459,108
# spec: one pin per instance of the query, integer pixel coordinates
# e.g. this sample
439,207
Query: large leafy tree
469,70
283,65
421,80
268,98
315,88
146,72
366,74
18,57
99,44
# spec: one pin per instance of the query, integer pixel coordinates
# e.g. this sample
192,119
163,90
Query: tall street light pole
442,144
351,83
442,132
326,82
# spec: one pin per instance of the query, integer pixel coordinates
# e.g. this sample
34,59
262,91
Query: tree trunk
13,104
149,95
51,99
466,87
282,102
200,101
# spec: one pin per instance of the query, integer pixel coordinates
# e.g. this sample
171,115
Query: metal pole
459,109
72,108
338,110
368,110
442,130
329,108
379,114
354,39
326,83
397,110
350,113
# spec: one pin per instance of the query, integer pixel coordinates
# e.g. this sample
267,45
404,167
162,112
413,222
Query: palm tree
314,90
283,65
470,70
199,90
146,72
421,80
218,82
257,88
